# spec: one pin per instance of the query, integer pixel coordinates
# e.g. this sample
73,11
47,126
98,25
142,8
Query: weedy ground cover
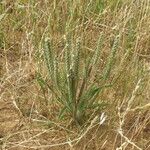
74,74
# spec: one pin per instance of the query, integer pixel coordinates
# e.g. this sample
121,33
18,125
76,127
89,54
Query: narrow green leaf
41,81
62,112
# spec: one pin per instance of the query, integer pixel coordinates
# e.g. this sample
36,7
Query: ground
29,114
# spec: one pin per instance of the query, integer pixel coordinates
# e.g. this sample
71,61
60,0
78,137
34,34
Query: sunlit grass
65,63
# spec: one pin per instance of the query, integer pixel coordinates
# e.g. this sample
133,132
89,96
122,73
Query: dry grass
29,115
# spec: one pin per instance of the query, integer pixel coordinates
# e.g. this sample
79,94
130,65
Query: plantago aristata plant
72,80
